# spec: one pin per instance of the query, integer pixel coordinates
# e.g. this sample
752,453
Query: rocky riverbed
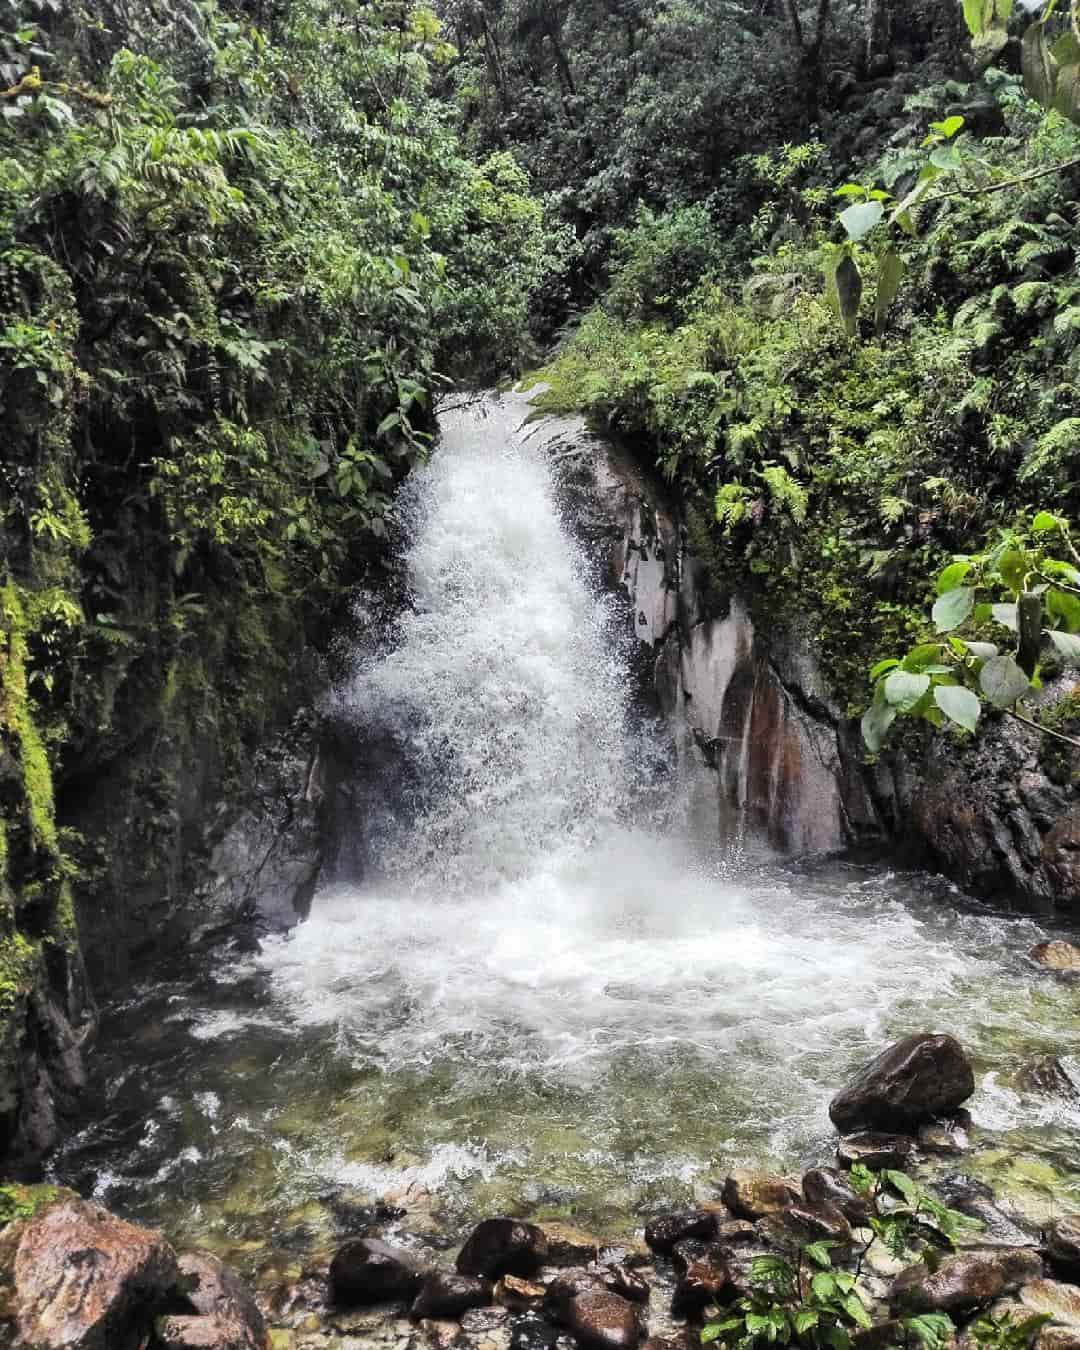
892,1222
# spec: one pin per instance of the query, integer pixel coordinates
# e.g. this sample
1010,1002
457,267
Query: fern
785,493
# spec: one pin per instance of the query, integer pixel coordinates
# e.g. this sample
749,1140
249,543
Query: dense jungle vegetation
246,244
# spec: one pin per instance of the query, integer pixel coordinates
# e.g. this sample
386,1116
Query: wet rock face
912,1081
446,1294
603,1321
1063,1246
702,1281
366,1270
965,1281
565,1287
663,1233
798,1226
78,1278
1057,955
223,1314
826,1188
874,1150
752,1195
499,1247
1045,1076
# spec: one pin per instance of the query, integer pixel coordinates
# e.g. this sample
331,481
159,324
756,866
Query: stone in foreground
964,1282
366,1270
1056,955
603,1321
663,1233
446,1295
498,1247
873,1150
181,1332
569,1246
911,1082
1063,1245
216,1295
752,1195
826,1188
76,1277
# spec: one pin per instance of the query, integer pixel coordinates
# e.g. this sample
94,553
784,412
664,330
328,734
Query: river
550,995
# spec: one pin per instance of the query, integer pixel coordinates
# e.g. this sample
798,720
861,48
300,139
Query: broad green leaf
1005,615
959,705
1064,608
952,608
877,720
818,1252
890,663
853,1306
904,689
850,190
982,651
949,127
1003,682
860,219
824,1284
977,14
1014,567
1044,523
933,1330
947,158
952,575
901,1183
712,1332
1067,645
804,1319
926,653
1066,571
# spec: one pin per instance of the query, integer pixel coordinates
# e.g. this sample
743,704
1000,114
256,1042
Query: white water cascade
547,989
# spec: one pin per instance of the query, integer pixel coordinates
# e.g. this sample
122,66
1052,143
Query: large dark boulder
366,1270
499,1247
565,1287
918,1078
965,1281
76,1277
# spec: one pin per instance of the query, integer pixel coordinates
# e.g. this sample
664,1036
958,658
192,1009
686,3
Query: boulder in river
965,1281
913,1081
569,1246
1062,1245
752,1195
874,1150
627,1283
518,1294
499,1247
1056,955
366,1270
445,1294
604,1321
77,1277
663,1233
798,1226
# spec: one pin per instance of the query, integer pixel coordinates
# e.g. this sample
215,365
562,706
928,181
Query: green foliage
1006,1332
1019,593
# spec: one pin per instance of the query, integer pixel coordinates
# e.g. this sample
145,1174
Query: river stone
503,1247
569,1246
446,1295
1045,1076
74,1276
827,1188
1056,955
1062,1243
603,1321
532,1332
798,1226
1053,1337
912,1081
975,1199
621,1280
517,1294
874,1150
945,1137
966,1280
701,1282
179,1332
663,1233
366,1270
752,1195
1059,1302
566,1286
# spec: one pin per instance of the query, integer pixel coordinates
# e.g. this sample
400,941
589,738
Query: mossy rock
18,1201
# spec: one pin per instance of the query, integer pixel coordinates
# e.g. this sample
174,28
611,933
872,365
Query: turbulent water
547,995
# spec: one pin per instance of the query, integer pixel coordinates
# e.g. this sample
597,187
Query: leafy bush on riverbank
832,476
